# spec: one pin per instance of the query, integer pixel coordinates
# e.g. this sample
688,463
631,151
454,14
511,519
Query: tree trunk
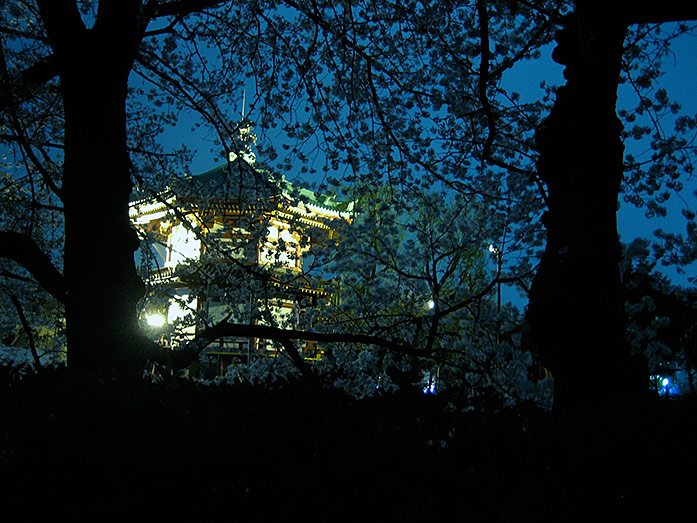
576,303
102,285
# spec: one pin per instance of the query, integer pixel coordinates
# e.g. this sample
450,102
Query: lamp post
497,253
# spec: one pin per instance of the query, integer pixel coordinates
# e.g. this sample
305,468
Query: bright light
155,320
492,248
430,389
431,304
665,382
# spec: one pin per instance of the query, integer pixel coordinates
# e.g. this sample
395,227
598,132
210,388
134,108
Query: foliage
414,268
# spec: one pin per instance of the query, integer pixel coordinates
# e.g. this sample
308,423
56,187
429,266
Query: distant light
492,248
431,304
665,382
155,320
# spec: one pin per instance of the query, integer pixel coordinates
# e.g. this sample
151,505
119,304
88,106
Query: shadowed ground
97,450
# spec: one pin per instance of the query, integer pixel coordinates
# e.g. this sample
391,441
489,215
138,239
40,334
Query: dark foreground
100,450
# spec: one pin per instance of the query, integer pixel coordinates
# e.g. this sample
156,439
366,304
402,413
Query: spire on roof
247,137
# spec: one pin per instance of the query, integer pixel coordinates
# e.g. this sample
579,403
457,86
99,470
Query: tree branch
26,252
224,329
184,7
63,24
297,359
484,75
7,101
650,11
25,325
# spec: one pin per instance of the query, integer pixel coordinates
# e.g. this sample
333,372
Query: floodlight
155,320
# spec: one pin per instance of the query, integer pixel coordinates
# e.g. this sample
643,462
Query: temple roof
246,179
240,183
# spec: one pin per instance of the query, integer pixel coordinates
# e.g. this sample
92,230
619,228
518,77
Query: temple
232,243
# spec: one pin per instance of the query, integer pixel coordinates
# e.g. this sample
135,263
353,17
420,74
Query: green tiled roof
241,181
256,181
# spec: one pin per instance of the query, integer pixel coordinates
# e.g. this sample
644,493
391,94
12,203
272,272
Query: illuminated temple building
253,228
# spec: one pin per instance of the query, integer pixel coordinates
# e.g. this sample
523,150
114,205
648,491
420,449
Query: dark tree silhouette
576,301
99,285
93,67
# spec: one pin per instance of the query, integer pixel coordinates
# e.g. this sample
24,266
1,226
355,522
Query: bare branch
650,11
27,329
266,332
26,252
183,7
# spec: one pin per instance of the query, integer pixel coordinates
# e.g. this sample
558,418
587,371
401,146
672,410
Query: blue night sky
680,80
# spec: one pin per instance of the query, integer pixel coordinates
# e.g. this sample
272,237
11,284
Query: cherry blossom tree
418,98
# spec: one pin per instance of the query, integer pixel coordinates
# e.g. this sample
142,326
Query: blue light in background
430,388
428,382
669,386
